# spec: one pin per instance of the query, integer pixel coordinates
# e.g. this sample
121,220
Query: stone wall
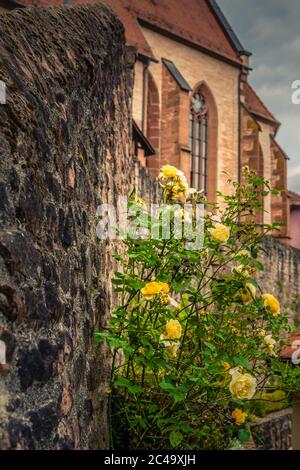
281,276
64,149
273,432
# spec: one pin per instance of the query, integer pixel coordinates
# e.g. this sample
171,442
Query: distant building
193,102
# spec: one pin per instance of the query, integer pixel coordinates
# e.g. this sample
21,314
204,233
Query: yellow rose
155,287
165,288
248,293
169,171
173,330
151,290
273,304
220,233
242,386
239,416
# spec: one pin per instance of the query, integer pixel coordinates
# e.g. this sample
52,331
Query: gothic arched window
199,129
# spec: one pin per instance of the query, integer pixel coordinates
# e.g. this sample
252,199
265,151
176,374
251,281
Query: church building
193,105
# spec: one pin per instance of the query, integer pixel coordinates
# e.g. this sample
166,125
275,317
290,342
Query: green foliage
184,360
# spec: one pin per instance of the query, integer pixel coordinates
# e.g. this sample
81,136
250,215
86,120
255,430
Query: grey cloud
270,29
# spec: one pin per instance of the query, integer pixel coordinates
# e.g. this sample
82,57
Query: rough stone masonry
64,149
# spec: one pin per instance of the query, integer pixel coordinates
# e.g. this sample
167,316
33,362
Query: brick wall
64,149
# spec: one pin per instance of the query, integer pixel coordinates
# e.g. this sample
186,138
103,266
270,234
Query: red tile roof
193,21
256,106
134,35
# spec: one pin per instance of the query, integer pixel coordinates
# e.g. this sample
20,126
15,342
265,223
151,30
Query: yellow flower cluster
239,416
242,386
220,233
169,172
174,183
153,288
272,303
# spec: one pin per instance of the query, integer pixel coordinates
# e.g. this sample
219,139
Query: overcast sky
270,29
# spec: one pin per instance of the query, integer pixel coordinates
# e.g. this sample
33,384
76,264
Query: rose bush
199,337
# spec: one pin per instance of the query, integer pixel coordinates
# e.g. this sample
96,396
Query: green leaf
122,382
135,389
244,435
175,438
101,337
241,361
167,386
152,408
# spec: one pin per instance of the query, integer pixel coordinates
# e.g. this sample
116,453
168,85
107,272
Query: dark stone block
78,371
85,222
4,204
30,206
64,443
36,309
14,180
49,268
44,422
65,131
53,185
89,409
53,302
66,228
20,436
76,110
64,274
11,305
31,367
19,253
37,364
14,405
